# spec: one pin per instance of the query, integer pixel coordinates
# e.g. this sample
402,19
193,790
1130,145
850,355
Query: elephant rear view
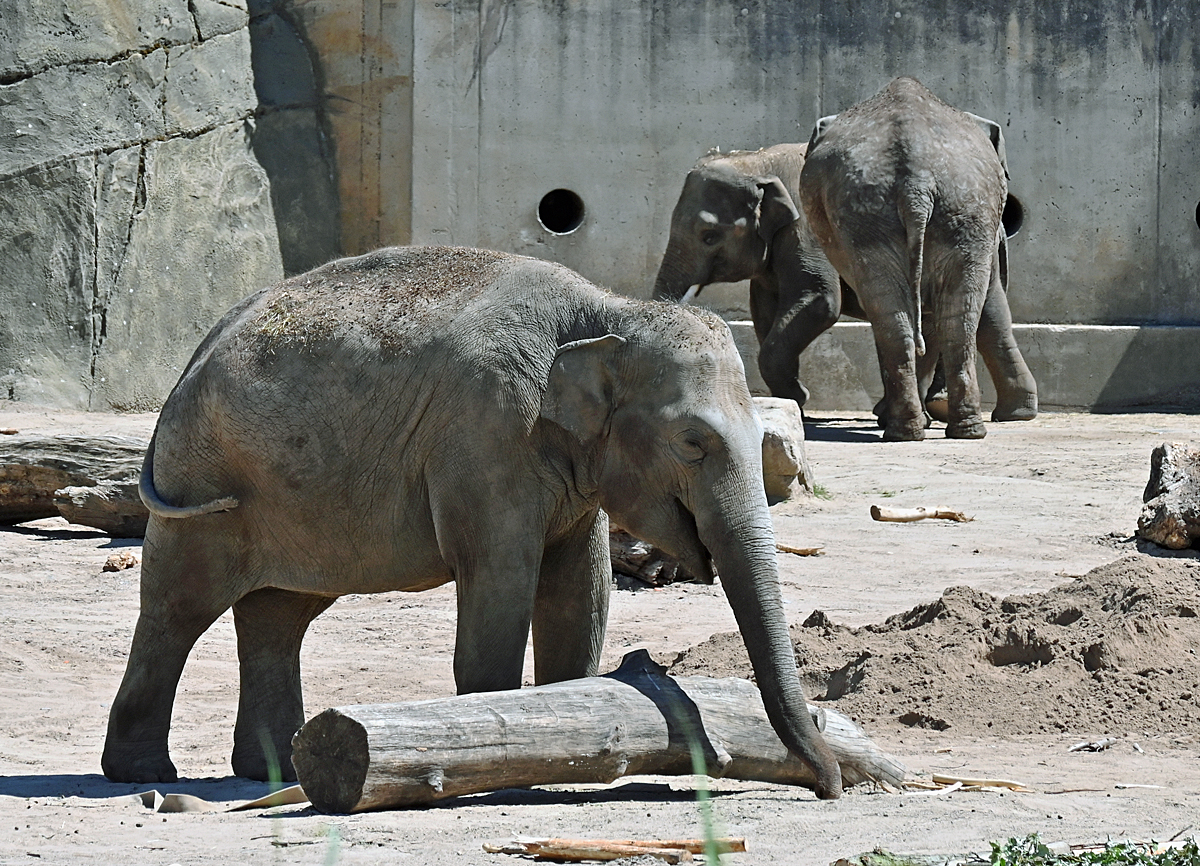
423,415
905,194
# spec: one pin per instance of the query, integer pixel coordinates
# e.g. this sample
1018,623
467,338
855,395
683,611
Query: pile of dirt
1115,651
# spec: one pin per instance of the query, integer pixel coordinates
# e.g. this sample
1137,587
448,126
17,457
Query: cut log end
331,753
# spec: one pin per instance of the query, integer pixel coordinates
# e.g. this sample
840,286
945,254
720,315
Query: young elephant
737,219
443,414
905,195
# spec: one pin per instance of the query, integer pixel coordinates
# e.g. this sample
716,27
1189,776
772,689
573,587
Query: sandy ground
1052,499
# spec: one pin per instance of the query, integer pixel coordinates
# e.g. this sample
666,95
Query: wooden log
909,515
636,720
41,477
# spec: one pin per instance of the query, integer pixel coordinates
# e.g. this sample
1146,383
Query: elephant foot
254,764
968,428
1021,412
911,432
138,763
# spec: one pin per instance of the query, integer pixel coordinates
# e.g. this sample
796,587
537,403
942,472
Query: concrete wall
458,117
132,210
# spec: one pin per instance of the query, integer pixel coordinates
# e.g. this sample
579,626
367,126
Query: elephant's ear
995,135
579,393
819,129
776,208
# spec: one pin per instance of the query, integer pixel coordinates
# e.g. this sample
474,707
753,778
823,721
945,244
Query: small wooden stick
725,844
978,783
668,850
908,515
801,551
598,850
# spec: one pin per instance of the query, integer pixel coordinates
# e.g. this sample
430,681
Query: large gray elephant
738,218
423,415
905,195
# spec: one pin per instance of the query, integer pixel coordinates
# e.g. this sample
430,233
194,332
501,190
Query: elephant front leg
571,607
787,321
270,625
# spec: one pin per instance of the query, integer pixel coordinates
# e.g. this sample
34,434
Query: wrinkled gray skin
905,195
737,219
420,415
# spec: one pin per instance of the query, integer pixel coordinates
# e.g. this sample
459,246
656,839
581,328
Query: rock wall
133,211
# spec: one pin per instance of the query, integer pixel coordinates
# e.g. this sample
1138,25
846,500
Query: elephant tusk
690,294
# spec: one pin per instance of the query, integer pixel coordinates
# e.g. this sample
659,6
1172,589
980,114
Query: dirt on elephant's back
1113,652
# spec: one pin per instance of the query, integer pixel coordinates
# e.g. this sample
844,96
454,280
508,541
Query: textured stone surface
1171,514
68,111
785,466
214,17
47,259
209,84
203,239
36,35
133,211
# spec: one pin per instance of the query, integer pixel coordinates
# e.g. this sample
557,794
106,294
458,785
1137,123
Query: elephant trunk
741,540
674,277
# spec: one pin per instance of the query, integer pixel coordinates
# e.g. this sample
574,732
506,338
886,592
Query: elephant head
721,228
676,451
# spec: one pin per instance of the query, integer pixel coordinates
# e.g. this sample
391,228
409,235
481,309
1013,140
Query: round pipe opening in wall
560,211
1013,216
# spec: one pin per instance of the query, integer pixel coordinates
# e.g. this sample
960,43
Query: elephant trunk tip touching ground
480,413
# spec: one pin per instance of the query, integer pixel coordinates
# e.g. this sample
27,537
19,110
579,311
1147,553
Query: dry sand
1032,652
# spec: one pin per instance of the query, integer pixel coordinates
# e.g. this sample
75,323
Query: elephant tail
915,206
155,504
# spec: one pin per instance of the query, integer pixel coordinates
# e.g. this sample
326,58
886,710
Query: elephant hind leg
270,626
959,304
182,595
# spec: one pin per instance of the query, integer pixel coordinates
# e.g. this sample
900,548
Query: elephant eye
688,447
710,238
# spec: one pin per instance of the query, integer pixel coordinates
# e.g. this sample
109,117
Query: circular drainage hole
560,211
1013,216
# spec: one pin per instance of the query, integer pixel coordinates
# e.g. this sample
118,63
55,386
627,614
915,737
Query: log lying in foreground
636,720
89,480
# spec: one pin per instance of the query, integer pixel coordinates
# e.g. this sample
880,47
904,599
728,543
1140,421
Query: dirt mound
1115,651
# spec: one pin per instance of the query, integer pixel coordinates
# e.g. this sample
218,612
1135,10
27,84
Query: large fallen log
89,480
636,720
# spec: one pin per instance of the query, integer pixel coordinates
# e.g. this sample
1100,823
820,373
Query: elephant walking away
905,194
445,415
738,218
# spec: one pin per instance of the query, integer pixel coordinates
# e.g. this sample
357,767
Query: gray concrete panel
1104,368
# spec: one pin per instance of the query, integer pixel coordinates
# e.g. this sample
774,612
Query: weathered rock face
785,465
132,210
1171,514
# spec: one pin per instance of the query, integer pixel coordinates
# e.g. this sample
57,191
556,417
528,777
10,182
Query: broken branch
909,515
